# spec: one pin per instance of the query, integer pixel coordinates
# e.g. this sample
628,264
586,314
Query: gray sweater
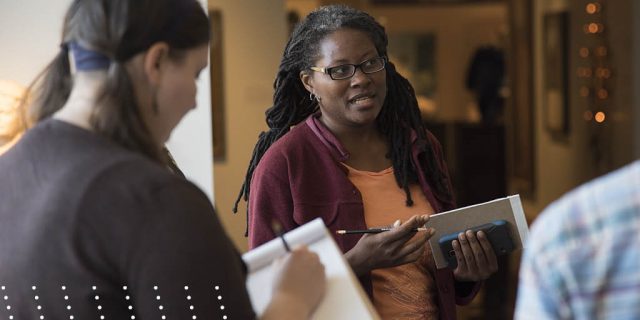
89,230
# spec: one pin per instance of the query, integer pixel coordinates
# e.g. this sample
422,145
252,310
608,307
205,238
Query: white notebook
344,297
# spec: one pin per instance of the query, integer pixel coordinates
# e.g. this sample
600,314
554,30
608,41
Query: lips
362,98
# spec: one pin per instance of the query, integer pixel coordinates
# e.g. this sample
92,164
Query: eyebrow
361,59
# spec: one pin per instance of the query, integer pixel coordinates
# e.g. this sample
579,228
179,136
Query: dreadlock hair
397,119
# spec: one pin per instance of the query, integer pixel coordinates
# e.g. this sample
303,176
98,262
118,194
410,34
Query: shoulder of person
592,206
132,178
296,145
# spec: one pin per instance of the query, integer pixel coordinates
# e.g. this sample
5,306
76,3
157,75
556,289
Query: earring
311,96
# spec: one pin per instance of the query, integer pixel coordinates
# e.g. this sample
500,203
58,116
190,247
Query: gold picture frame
217,86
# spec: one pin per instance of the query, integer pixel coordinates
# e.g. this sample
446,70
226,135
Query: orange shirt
407,291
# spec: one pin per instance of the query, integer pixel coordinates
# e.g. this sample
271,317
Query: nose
360,78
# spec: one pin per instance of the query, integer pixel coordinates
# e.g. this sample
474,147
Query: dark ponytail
53,88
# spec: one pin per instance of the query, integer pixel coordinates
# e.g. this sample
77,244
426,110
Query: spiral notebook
344,297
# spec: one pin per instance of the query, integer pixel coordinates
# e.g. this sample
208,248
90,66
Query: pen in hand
277,229
375,230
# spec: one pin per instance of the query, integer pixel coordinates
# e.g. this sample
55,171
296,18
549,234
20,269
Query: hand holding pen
301,280
276,227
399,245
376,230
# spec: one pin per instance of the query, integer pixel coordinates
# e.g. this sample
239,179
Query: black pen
277,229
374,230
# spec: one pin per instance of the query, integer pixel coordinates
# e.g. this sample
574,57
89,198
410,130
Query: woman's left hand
476,258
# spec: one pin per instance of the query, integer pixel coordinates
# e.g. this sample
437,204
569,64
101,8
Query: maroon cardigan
300,178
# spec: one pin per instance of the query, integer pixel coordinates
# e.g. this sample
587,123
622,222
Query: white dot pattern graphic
6,300
191,308
128,298
97,300
67,299
36,298
219,293
160,306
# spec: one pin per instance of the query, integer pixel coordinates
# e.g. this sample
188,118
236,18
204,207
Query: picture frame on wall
414,56
217,86
434,2
556,74
521,101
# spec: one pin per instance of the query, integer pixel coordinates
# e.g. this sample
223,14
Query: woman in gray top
92,224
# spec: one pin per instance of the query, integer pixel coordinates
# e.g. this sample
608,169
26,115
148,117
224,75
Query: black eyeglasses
347,71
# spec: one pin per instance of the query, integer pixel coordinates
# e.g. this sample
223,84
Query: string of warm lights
594,74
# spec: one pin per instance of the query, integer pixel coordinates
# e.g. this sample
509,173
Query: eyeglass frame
327,70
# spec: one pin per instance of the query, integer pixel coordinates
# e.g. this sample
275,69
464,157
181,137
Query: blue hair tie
88,60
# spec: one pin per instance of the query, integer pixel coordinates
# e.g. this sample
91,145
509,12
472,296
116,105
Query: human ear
307,80
154,61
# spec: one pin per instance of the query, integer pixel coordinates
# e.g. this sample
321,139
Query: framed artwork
556,74
520,103
217,87
414,56
395,2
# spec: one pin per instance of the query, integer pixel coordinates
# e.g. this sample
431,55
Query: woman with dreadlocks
346,143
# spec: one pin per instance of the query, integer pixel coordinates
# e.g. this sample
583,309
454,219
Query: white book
344,297
458,220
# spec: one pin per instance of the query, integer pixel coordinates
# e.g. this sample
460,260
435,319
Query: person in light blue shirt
583,259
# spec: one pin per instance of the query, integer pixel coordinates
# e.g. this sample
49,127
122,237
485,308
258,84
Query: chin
365,119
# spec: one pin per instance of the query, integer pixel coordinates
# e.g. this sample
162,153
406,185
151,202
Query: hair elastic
88,60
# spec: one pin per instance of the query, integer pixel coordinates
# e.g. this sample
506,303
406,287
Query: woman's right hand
390,248
299,286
